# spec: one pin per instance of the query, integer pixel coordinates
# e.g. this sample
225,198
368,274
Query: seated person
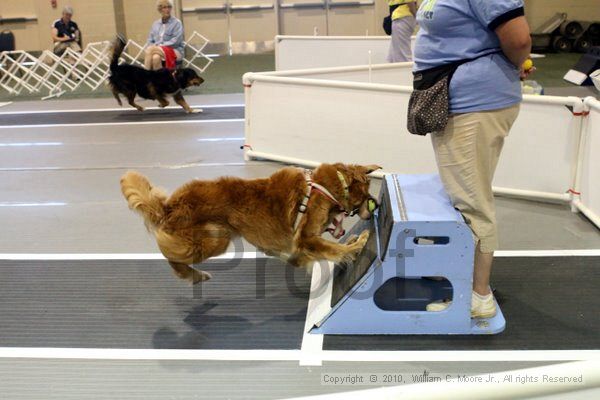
65,34
165,42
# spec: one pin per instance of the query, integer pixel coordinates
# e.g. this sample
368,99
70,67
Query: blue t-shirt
453,30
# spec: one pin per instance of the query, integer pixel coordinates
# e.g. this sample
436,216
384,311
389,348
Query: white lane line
27,112
528,383
115,256
16,204
31,144
226,139
321,287
109,143
296,355
159,256
172,167
175,122
548,253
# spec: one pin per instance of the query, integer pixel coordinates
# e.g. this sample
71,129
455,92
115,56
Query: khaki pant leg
467,154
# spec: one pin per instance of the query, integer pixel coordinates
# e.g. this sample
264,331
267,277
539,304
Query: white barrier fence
587,189
398,74
355,115
302,52
20,71
540,154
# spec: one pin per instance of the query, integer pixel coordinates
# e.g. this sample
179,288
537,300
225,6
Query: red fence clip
581,114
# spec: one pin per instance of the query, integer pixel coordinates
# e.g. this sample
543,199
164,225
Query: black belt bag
428,107
387,21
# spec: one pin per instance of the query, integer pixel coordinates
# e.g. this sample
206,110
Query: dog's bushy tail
145,199
118,48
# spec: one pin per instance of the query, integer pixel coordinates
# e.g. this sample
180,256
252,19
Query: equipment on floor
559,35
587,64
420,251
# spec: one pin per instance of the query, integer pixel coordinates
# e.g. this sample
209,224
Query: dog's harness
336,229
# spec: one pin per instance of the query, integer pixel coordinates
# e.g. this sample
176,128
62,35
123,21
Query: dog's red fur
200,218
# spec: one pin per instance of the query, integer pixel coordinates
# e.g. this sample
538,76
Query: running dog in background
131,80
283,215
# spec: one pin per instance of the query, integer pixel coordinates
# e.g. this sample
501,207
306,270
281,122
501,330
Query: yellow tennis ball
372,205
527,65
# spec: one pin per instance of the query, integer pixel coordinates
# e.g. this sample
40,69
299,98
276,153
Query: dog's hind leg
207,241
116,94
131,101
188,273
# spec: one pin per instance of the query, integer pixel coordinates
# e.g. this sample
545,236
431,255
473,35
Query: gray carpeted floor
249,304
549,303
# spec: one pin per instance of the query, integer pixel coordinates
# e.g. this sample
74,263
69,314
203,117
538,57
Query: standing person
165,42
484,98
65,34
402,14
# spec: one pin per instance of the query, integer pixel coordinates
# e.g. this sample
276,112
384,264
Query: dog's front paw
352,239
356,246
351,256
194,111
362,239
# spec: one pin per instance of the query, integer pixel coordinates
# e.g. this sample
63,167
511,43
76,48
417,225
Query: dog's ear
354,173
369,169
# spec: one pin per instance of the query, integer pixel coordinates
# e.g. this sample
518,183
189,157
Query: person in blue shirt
484,103
165,41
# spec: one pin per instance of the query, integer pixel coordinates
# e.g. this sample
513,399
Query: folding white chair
15,71
93,65
133,53
57,78
195,46
44,72
66,67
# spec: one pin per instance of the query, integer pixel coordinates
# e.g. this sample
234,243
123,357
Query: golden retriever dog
284,215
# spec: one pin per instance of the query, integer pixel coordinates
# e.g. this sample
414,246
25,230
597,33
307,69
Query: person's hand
524,74
526,69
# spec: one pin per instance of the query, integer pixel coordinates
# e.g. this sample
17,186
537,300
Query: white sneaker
481,306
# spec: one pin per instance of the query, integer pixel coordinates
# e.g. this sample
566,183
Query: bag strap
456,63
431,76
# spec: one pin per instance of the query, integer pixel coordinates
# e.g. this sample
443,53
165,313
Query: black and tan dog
131,80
